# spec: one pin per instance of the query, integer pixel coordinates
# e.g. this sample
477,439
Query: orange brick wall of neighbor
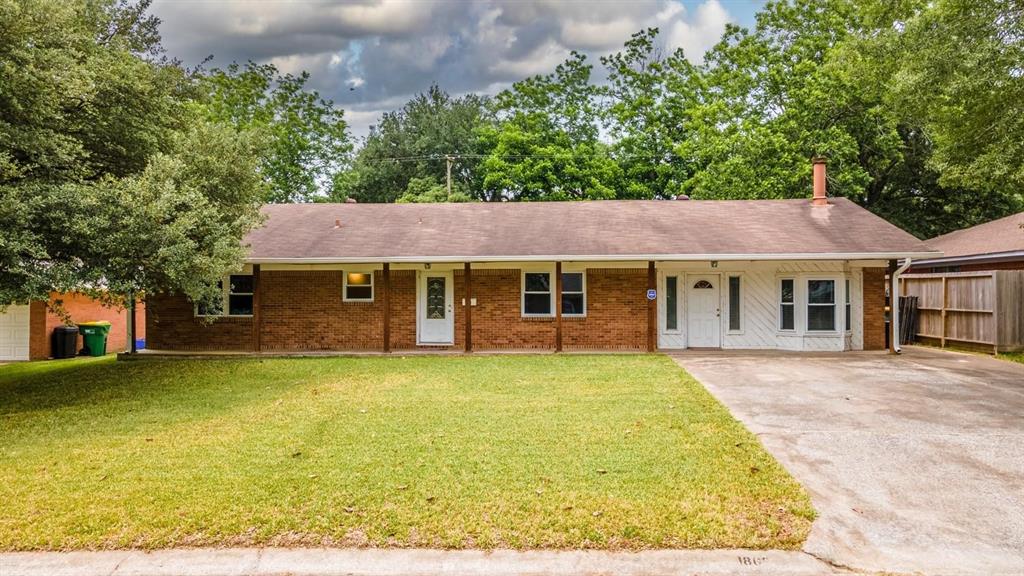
304,311
80,308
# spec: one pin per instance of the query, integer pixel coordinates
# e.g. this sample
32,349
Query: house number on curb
752,560
652,294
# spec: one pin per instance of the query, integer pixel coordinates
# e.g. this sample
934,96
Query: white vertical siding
759,291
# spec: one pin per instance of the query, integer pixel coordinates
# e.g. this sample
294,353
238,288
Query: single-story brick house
26,329
607,275
995,245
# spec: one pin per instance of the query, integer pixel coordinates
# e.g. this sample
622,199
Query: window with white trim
849,317
671,303
537,294
574,294
821,305
787,304
236,298
358,287
735,304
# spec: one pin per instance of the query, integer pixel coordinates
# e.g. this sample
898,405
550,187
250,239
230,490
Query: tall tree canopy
405,153
545,145
111,179
303,139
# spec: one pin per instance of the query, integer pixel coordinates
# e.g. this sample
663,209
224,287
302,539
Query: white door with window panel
703,312
14,333
436,316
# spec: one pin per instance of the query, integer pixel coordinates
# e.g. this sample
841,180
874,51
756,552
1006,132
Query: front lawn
615,452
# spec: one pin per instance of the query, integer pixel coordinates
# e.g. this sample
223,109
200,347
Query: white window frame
847,305
728,302
583,276
551,293
779,303
806,285
344,286
225,300
680,282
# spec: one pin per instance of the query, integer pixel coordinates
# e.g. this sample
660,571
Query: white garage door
14,333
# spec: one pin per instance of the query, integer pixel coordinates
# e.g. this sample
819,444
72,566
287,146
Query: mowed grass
611,452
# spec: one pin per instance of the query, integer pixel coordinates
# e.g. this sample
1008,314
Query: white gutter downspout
894,303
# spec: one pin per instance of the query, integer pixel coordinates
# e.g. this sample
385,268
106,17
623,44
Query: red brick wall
81,308
172,325
498,323
874,308
616,312
38,335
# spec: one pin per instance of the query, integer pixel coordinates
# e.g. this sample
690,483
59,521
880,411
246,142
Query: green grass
1012,356
612,452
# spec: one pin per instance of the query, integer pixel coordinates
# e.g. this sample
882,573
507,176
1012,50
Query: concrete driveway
915,463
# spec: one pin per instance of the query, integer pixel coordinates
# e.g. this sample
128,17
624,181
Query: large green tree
304,142
410,147
111,180
546,144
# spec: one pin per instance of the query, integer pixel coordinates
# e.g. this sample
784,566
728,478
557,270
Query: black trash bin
65,341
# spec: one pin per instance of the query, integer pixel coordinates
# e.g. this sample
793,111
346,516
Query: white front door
703,315
436,317
14,333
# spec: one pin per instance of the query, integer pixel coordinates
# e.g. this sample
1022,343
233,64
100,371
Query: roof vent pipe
820,197
351,201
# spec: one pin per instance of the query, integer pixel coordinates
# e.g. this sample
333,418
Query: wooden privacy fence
973,309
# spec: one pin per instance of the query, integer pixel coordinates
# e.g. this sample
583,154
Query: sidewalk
357,562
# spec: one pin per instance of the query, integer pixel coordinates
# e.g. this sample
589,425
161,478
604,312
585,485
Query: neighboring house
757,274
995,245
26,329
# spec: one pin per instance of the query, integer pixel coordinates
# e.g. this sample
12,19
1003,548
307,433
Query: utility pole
448,158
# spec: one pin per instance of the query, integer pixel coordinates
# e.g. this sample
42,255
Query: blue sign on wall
652,294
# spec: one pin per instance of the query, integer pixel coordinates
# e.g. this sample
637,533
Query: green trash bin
94,336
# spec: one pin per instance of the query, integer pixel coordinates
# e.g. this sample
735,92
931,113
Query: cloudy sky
370,56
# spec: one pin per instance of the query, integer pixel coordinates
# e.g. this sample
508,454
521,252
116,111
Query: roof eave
598,258
973,258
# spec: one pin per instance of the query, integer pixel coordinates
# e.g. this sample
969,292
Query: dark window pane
734,303
359,292
241,284
671,305
435,298
572,304
537,304
786,310
538,282
847,325
787,290
821,291
821,317
358,279
240,305
572,282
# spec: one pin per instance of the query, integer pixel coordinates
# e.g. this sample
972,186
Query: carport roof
581,231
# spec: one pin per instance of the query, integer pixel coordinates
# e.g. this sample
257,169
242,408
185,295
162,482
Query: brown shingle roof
1003,235
611,229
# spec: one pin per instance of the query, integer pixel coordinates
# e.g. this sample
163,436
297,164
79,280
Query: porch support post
131,324
469,306
894,301
257,314
385,281
558,306
652,309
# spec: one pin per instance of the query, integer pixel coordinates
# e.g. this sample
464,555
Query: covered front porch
536,306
